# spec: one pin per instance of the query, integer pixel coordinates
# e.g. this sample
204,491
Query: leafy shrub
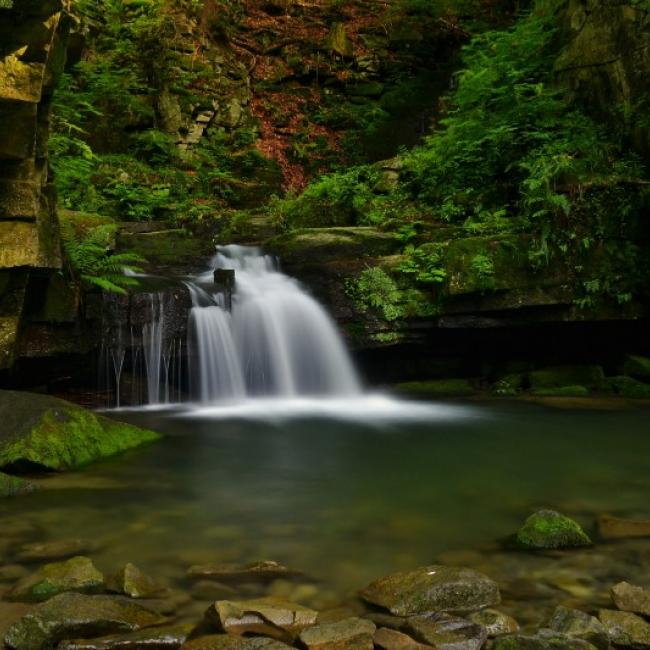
375,289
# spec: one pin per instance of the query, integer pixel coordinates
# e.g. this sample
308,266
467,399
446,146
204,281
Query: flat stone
76,574
547,529
57,549
348,634
578,624
540,641
495,622
272,617
76,615
616,528
157,638
630,598
388,639
132,582
625,629
229,642
257,572
447,632
433,588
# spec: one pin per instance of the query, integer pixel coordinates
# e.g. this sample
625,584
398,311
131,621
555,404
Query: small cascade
238,330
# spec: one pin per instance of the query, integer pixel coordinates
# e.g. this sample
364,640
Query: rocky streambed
547,587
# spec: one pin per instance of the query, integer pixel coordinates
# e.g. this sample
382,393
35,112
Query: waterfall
264,336
277,341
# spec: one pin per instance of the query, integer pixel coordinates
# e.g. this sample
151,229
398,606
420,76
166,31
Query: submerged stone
447,632
548,529
157,638
76,574
273,617
54,550
578,624
495,622
49,433
616,528
625,629
630,598
265,571
134,583
71,615
11,486
434,588
348,634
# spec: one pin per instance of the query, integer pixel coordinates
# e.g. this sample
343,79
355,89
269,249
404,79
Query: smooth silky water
280,455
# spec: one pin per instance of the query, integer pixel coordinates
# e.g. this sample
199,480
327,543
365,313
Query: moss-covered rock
590,376
437,388
637,367
76,574
46,432
549,529
628,387
561,391
132,582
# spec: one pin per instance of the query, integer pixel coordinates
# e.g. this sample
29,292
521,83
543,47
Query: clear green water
348,499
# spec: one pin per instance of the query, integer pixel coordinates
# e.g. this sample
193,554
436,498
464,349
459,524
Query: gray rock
447,632
158,638
625,629
71,615
348,634
577,624
495,622
630,598
434,588
76,574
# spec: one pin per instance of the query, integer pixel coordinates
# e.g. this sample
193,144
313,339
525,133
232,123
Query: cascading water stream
277,341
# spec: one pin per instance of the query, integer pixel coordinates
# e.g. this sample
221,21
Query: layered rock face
32,52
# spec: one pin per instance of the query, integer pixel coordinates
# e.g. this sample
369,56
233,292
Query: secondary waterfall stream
268,337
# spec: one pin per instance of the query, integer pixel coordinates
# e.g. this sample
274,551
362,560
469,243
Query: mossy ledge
43,432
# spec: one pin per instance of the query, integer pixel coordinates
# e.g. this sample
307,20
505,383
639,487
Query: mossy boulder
437,388
76,574
45,432
547,529
637,367
588,375
628,387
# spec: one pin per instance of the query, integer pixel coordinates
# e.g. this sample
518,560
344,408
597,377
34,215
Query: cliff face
32,50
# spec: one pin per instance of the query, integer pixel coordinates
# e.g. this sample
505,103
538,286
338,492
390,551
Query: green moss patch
46,432
561,391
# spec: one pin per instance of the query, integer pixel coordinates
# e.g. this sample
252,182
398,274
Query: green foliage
92,262
424,264
375,289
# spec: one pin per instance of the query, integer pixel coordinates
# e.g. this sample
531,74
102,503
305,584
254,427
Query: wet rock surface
163,638
227,642
348,634
578,624
625,629
388,639
447,632
630,598
132,582
547,529
434,588
495,622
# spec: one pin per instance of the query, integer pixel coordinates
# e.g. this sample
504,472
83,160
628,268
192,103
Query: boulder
577,624
625,629
265,571
272,617
130,581
11,486
71,615
157,638
54,550
547,529
434,588
637,367
387,639
348,634
616,528
49,433
630,598
446,632
76,574
495,622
